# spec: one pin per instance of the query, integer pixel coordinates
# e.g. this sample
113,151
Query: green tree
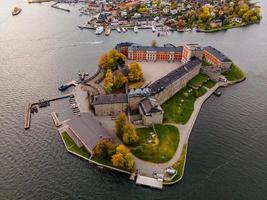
120,123
129,136
111,60
135,72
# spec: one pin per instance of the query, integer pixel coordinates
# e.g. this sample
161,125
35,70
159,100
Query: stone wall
154,118
110,109
134,102
172,89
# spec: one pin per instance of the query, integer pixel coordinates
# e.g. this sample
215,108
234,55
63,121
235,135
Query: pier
27,120
57,7
55,119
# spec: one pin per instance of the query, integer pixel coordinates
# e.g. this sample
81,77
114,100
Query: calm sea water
42,48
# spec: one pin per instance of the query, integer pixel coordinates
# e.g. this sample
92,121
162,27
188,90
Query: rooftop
174,75
150,48
149,106
88,129
217,53
110,98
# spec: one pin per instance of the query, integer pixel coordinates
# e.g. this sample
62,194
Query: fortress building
146,101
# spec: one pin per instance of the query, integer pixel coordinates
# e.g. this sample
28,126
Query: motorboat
107,31
124,29
136,29
118,29
99,30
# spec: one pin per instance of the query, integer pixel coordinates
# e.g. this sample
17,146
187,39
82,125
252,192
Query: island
169,15
136,112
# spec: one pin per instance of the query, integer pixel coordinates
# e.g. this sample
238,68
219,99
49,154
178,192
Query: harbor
41,103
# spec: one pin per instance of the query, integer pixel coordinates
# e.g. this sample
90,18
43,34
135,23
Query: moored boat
123,29
153,28
16,10
118,29
107,31
136,29
99,30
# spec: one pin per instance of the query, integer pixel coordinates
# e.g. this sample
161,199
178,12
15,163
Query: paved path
147,168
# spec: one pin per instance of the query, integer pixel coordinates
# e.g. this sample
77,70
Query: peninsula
136,113
170,15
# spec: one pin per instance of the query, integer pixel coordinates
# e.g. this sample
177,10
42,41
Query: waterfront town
164,16
135,114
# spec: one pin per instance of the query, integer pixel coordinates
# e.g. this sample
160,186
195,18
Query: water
42,48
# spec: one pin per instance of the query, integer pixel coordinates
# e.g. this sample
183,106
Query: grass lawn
71,146
198,80
179,164
179,108
209,84
234,74
161,152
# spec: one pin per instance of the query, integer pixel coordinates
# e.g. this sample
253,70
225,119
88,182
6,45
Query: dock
55,119
38,1
150,182
27,116
59,8
27,119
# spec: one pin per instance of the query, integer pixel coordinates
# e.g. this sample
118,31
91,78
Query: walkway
147,168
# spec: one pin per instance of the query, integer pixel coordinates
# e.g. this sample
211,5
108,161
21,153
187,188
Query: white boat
99,30
136,29
123,29
118,29
153,28
107,31
16,11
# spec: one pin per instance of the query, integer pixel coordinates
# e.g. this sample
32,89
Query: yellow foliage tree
129,134
120,80
122,149
135,72
120,123
118,160
111,60
108,81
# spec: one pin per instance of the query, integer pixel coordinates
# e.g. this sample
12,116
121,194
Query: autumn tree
120,80
129,136
108,81
123,158
105,148
135,72
111,60
120,123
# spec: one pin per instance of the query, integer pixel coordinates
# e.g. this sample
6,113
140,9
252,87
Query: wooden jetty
27,119
55,119
57,7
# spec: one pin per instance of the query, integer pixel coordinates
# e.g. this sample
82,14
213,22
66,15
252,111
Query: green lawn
179,164
161,152
71,146
234,74
179,108
198,80
209,84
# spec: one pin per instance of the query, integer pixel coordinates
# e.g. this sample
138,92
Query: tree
118,160
105,148
153,43
135,72
120,80
120,123
108,81
122,149
111,60
129,162
129,134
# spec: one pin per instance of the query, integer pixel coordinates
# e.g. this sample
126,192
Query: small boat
136,29
118,29
217,93
16,11
123,29
107,31
99,30
153,29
